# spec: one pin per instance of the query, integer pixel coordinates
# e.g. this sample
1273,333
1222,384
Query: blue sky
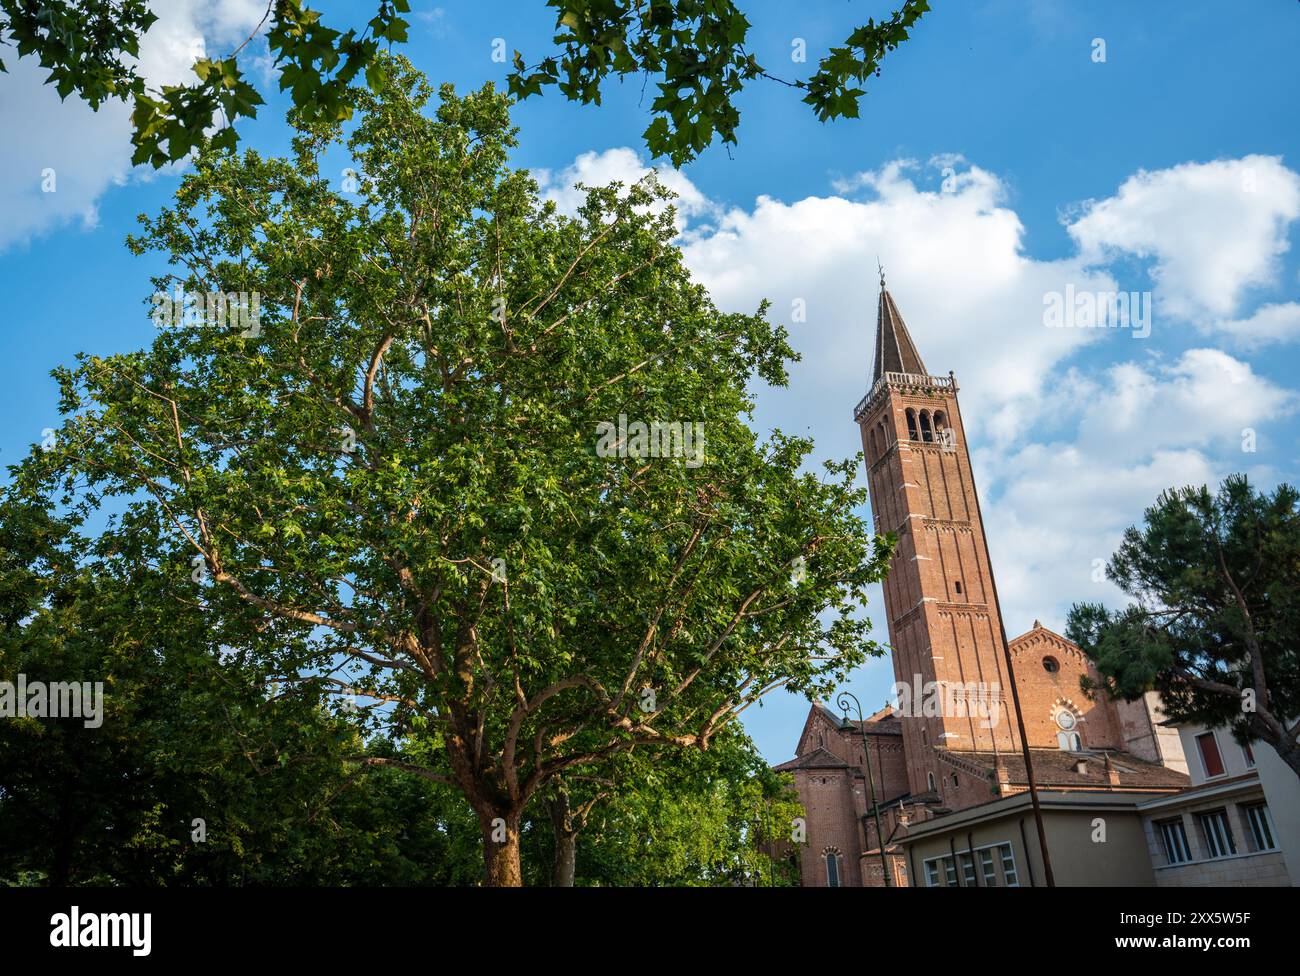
996,162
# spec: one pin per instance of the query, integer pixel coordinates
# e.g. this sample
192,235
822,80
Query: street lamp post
842,702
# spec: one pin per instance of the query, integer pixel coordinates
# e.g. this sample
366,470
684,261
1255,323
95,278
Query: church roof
819,758
1057,768
895,352
883,722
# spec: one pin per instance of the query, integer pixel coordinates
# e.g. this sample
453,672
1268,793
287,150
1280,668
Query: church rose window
1051,665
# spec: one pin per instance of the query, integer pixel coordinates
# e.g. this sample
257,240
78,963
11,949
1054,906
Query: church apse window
832,867
911,424
927,434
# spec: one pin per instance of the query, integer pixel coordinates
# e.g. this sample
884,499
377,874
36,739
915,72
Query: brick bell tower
941,609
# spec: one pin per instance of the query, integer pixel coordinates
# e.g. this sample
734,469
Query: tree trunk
1286,746
566,840
501,851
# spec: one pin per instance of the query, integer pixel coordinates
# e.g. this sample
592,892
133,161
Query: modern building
1238,823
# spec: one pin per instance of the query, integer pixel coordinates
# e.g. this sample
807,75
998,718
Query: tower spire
895,352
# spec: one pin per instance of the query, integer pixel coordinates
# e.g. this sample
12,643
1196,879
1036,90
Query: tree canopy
698,49
480,466
1215,622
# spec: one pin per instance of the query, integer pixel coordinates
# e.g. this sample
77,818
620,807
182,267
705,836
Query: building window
1067,739
941,872
832,868
1177,850
958,585
1248,754
967,870
1211,761
954,780
1217,833
1261,826
932,874
926,434
911,424
1051,665
925,736
1008,866
929,781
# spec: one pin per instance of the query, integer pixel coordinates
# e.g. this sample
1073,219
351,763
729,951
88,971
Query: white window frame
1216,830
1000,857
1258,819
1008,854
1180,852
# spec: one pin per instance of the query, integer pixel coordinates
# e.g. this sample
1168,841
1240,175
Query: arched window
942,432
1068,737
1069,742
927,434
832,867
911,424
925,736
874,443
929,781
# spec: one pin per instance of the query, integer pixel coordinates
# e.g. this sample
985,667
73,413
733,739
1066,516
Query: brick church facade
952,742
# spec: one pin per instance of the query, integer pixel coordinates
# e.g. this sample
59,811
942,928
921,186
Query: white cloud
1067,456
1270,323
621,165
1213,230
91,151
1131,433
955,264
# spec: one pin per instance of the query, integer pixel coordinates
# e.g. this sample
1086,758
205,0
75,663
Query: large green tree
683,818
1215,622
697,49
198,770
411,467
